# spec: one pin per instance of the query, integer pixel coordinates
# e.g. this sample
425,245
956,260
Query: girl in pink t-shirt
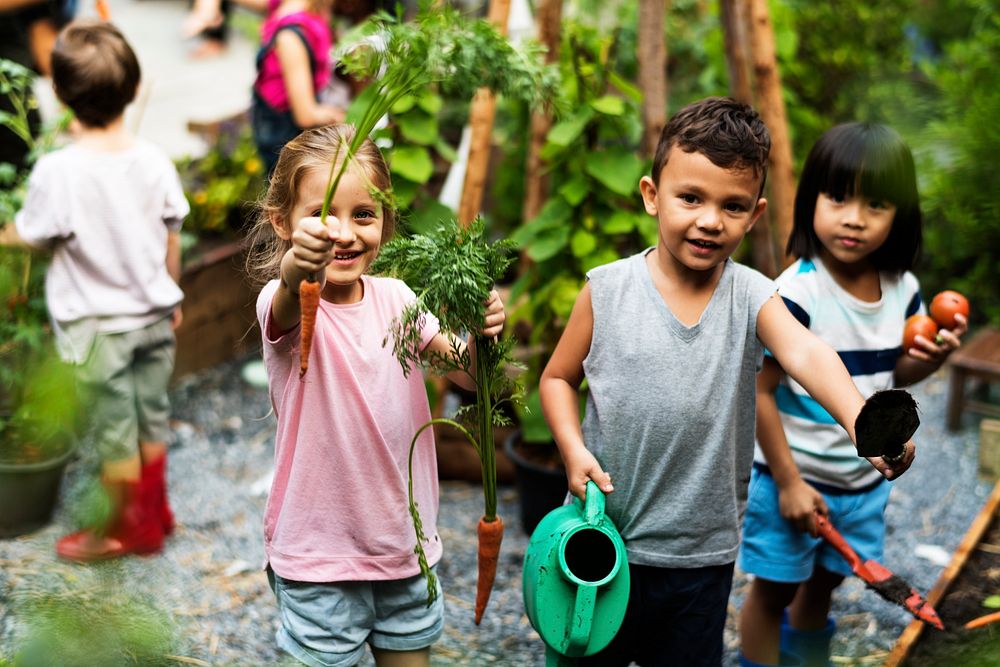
337,534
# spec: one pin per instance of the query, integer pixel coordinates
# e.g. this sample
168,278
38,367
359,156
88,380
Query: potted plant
37,407
38,410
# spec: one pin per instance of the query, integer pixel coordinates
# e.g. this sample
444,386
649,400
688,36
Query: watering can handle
582,619
593,509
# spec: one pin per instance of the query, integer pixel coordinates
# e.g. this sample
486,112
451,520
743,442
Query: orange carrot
983,620
490,536
103,11
308,304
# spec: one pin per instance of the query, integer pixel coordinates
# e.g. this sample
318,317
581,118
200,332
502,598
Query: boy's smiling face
704,210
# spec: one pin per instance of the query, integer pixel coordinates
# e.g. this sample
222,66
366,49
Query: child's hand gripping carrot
312,250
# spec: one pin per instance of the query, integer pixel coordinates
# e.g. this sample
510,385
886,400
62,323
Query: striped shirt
868,338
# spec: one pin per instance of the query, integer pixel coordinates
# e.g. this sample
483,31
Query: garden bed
972,575
220,319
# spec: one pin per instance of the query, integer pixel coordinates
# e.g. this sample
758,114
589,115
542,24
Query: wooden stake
548,17
767,80
735,16
736,30
652,57
481,125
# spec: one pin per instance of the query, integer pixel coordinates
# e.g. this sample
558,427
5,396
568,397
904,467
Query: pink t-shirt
337,510
270,83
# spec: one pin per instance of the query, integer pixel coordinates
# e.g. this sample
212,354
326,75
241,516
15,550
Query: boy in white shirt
109,207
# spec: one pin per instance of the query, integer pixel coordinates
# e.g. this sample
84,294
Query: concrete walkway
176,87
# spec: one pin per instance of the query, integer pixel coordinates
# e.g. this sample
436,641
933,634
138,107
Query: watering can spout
576,578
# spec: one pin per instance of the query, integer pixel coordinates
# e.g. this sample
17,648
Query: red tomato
946,305
918,325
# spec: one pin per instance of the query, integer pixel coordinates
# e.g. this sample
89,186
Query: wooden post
481,126
736,28
548,17
652,57
767,81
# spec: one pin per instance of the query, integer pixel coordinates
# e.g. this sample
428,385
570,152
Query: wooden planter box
220,319
981,559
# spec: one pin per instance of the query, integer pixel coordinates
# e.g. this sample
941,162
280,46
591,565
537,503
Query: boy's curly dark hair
94,71
729,133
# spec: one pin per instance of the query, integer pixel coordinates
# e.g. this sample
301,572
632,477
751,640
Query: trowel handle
833,536
583,617
593,509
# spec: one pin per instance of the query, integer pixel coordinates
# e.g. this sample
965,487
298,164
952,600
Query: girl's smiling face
355,222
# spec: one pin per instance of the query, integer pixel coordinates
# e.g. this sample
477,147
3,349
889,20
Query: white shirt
106,217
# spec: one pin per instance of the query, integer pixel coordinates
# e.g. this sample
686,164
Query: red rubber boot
154,474
135,530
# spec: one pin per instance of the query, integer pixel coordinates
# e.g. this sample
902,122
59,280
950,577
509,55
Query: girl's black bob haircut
869,160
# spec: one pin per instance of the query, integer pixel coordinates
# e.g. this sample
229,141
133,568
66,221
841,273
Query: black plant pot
542,488
28,494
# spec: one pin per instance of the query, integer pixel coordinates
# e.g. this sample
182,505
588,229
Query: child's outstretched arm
559,388
928,355
446,342
311,251
797,500
817,367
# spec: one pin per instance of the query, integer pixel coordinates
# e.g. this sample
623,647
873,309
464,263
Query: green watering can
576,580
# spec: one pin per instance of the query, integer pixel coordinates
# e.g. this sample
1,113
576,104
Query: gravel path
215,604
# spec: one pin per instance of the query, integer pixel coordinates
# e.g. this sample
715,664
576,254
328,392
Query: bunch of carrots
453,270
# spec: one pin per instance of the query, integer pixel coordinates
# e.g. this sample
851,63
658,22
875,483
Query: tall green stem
484,409
418,525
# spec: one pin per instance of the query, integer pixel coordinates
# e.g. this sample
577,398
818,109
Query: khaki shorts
123,384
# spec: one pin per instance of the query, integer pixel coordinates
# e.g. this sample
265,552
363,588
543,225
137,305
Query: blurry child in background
857,234
293,66
670,341
109,207
338,539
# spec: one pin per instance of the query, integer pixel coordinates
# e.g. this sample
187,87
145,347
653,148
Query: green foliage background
926,68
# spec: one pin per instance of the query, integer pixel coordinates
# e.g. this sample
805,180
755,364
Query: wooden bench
979,358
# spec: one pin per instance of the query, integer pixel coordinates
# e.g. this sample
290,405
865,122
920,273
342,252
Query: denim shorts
328,624
774,550
123,383
676,617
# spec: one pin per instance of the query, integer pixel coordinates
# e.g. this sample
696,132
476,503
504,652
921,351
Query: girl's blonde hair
312,150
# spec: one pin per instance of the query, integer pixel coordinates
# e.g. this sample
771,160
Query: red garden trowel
878,577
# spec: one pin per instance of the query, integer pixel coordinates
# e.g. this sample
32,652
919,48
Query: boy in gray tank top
670,341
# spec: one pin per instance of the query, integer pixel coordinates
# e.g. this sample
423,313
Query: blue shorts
774,550
675,617
328,624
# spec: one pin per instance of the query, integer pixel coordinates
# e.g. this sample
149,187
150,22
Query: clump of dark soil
955,646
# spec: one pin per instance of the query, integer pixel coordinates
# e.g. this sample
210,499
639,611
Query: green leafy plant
419,155
594,215
452,270
96,621
222,185
38,417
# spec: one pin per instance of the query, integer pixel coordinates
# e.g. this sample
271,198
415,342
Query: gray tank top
670,411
